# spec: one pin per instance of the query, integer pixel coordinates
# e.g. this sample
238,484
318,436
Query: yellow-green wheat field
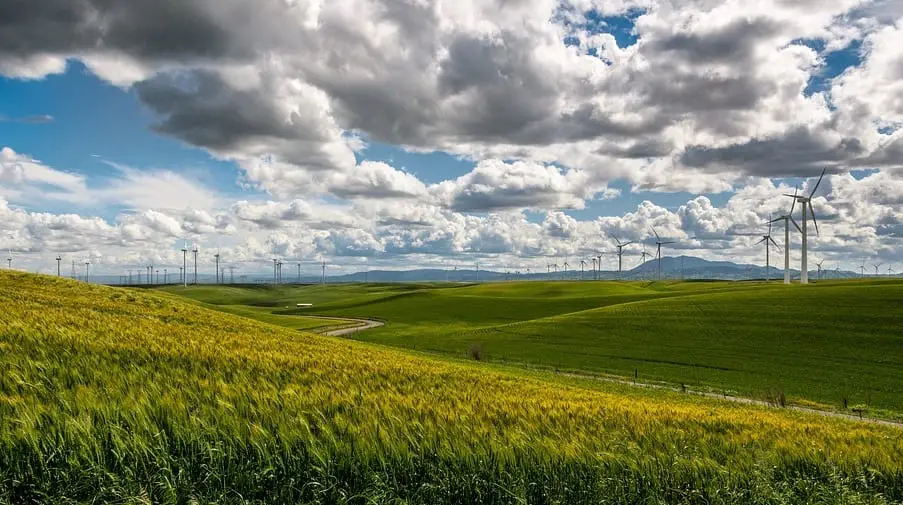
113,395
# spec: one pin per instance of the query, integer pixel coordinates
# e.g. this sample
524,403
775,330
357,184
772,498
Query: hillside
827,344
111,395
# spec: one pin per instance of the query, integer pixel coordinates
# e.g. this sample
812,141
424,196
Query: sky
396,134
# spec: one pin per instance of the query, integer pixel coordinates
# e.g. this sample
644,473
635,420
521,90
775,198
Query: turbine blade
812,213
759,242
796,192
797,225
819,182
656,234
775,243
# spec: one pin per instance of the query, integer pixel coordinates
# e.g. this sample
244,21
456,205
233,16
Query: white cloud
710,99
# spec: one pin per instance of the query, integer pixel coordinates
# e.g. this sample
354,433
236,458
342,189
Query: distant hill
673,267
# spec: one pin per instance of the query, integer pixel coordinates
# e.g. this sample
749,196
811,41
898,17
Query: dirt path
362,324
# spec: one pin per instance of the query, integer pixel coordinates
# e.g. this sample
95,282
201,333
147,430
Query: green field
822,345
112,395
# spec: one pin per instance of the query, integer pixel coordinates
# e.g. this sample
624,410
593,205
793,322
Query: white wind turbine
621,246
659,244
768,243
806,201
787,218
645,255
876,268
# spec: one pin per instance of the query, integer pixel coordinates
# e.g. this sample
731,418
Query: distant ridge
673,267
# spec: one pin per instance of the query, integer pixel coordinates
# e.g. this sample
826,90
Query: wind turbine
659,244
890,270
621,247
862,269
59,260
818,265
768,242
184,270
644,255
595,272
9,259
806,201
877,267
582,266
216,257
87,275
564,273
787,218
195,251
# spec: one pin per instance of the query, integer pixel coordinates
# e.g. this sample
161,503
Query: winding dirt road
362,324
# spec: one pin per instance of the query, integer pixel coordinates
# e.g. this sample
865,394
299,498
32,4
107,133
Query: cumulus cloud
705,85
709,97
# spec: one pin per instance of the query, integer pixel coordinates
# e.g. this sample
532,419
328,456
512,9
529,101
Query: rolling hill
118,395
832,344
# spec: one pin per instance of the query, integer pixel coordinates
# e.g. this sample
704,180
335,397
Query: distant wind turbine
788,218
877,267
659,244
768,241
621,247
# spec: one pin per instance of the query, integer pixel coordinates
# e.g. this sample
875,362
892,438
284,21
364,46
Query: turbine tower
806,201
876,268
216,257
184,269
195,251
59,260
659,244
621,247
818,265
87,274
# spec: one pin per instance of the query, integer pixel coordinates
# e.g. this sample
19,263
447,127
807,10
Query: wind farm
451,252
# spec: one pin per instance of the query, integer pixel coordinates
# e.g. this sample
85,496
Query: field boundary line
731,398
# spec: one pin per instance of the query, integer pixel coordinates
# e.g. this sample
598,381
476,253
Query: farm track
362,324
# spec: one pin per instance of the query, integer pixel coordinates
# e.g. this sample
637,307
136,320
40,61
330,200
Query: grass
824,345
127,396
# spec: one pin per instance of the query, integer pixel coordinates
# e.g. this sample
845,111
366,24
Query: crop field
832,345
131,396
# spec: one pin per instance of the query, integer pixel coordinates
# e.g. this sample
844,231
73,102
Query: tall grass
111,395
